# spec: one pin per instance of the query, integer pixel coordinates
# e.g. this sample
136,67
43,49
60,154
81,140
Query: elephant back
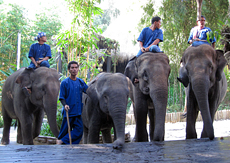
154,57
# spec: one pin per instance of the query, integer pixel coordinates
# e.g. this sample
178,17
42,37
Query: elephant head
109,95
152,71
44,85
203,72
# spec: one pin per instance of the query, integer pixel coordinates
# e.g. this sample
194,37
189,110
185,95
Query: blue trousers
76,127
153,48
197,43
43,64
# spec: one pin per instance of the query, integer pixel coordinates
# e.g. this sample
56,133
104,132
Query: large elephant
202,71
105,107
29,108
150,93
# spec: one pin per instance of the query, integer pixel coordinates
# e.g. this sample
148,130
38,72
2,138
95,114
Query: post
199,5
18,50
109,60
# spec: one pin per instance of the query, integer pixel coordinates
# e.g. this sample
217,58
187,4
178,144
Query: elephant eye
145,76
211,69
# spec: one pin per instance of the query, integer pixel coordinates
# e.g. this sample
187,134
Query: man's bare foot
136,80
59,142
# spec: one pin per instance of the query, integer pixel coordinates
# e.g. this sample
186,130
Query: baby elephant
105,107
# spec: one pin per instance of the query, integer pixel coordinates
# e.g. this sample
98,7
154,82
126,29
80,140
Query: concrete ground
173,131
181,150
176,131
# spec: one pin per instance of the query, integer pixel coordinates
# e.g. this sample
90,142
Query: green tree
12,22
50,24
178,17
147,15
104,20
81,39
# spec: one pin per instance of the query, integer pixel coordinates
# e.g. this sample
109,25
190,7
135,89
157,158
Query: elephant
150,93
104,107
202,74
28,109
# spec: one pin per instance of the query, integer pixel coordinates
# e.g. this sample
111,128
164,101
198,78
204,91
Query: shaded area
196,150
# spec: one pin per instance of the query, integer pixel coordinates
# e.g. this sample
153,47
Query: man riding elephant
40,52
198,34
150,37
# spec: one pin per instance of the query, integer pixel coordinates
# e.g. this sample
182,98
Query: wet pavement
202,150
174,149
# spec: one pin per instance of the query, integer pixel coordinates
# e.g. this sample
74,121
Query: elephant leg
141,111
94,131
213,108
85,135
192,113
19,133
26,129
106,135
151,123
6,130
37,122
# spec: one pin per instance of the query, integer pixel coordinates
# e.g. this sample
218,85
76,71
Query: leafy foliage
81,39
45,130
103,21
178,17
1,122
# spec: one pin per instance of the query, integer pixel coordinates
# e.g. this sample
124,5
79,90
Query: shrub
1,122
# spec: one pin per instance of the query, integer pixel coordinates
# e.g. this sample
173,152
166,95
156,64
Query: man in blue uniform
40,52
198,34
71,98
150,37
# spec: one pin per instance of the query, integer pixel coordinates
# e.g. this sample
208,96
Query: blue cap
40,34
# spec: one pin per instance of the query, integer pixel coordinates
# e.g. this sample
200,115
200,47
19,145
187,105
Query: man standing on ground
40,52
71,98
150,37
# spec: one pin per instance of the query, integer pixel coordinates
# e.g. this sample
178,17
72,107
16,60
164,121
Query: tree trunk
199,5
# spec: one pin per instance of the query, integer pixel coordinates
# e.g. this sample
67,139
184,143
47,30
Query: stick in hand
67,116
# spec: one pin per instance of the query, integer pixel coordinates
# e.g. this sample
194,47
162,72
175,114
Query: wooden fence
178,117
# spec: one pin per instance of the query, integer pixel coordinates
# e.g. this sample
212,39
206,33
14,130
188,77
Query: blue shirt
39,51
201,34
147,36
71,92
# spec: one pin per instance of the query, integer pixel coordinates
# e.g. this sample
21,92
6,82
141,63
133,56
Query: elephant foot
19,141
5,142
118,144
134,139
184,115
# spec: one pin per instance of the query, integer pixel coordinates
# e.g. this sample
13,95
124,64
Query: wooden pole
70,139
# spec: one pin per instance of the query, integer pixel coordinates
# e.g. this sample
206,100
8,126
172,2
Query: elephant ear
92,92
25,78
131,70
183,75
221,63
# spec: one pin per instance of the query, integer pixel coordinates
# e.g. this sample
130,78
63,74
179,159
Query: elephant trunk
159,98
118,114
201,89
51,115
50,106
